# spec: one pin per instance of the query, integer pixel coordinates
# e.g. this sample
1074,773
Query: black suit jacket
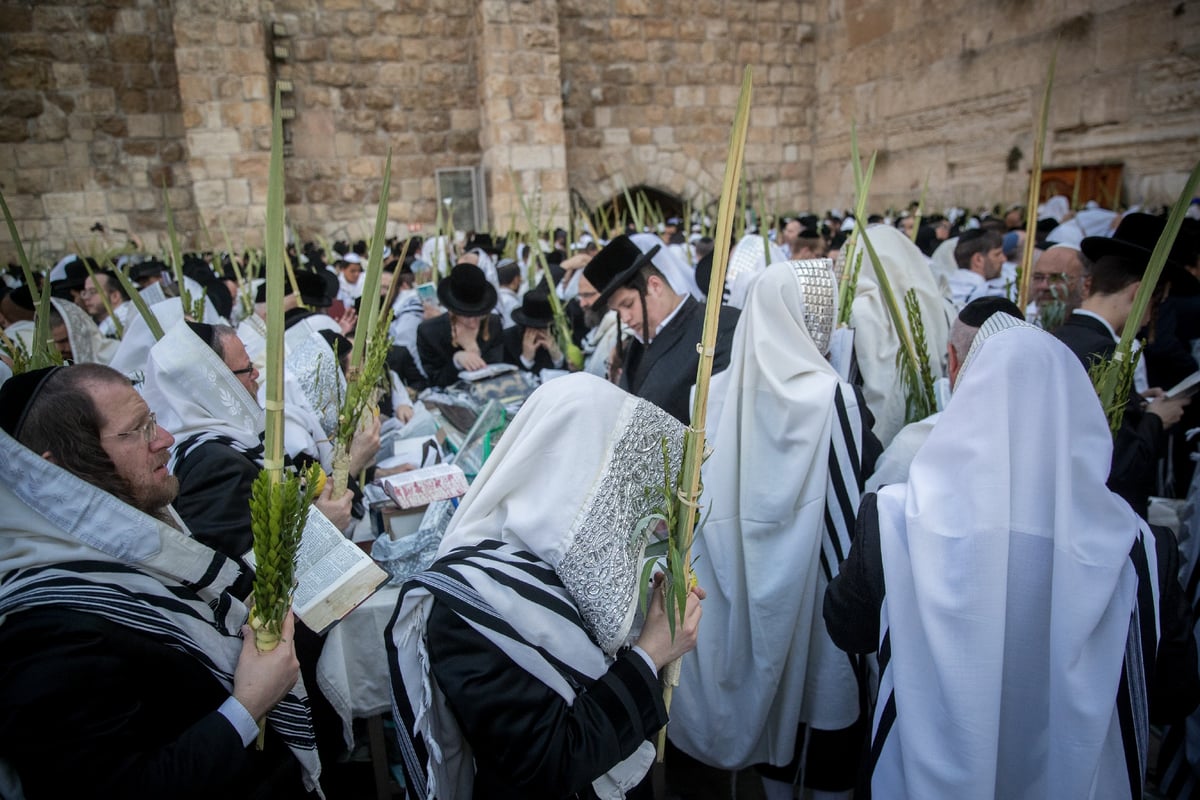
436,352
664,371
1140,441
89,708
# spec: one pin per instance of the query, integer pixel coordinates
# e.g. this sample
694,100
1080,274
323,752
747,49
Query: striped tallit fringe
540,605
170,615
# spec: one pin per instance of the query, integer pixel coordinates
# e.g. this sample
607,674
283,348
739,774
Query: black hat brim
626,275
1097,247
484,306
519,317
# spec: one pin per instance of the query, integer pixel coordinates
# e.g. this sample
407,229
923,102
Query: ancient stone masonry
90,119
104,103
950,93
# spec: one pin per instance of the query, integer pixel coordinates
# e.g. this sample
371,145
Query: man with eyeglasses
1057,285
98,286
119,639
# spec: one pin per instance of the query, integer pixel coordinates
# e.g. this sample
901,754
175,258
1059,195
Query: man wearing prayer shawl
126,667
1014,600
791,446
876,341
512,675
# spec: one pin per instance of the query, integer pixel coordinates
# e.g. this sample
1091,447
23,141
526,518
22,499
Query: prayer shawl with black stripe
518,603
1011,635
576,505
66,544
781,489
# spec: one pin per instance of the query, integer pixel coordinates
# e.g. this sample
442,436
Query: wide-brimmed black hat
615,266
76,274
149,268
315,287
1133,242
483,241
466,291
535,310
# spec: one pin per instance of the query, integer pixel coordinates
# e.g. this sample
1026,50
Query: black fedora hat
1133,242
76,274
315,288
616,265
535,310
466,291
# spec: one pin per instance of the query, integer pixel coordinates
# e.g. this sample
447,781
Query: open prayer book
490,371
333,575
1185,387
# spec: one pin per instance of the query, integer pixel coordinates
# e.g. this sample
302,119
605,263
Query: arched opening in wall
641,203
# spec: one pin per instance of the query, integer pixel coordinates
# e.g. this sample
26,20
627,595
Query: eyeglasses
148,431
1052,277
244,370
588,295
89,293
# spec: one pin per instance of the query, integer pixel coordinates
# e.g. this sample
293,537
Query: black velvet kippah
206,333
17,395
979,310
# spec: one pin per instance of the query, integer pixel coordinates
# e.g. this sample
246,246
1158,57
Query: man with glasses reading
119,639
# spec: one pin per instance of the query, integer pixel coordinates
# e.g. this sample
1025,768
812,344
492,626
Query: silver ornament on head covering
820,298
601,568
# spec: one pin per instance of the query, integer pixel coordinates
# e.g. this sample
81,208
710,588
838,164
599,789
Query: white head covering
615,453
319,377
134,349
435,251
88,346
574,508
678,273
1090,221
876,341
765,662
746,263
1009,586
198,394
943,265
1055,208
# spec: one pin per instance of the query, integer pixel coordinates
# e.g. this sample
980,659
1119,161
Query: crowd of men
969,604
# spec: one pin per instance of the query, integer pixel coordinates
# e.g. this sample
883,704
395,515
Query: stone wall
90,122
369,75
101,103
950,94
651,89
225,93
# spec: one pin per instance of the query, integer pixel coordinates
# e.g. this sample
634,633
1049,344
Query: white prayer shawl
876,341
746,262
893,463
435,251
583,535
1010,590
87,345
134,350
943,265
201,398
177,591
1087,222
599,343
1054,208
313,323
678,273
764,662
